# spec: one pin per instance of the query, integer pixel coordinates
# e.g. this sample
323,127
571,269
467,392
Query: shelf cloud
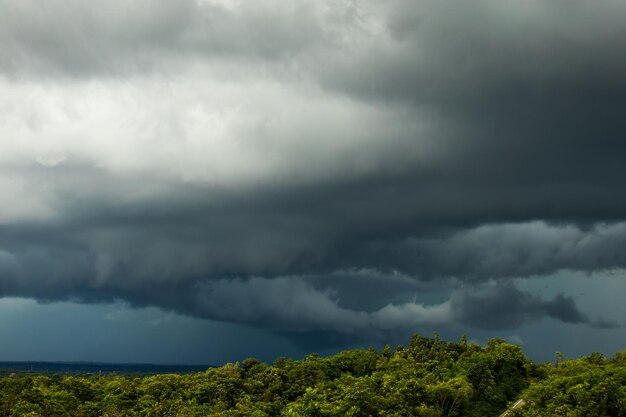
313,166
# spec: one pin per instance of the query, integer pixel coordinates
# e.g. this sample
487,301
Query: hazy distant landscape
96,368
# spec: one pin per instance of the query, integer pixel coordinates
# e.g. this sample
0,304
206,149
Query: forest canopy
428,377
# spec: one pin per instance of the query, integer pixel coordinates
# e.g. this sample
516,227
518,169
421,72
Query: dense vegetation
590,386
429,377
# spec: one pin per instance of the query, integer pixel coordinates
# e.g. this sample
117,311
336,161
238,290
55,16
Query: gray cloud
316,166
506,250
120,38
504,306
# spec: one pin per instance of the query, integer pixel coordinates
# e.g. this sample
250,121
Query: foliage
593,386
429,377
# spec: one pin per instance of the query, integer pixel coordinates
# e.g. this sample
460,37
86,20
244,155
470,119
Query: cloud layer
334,166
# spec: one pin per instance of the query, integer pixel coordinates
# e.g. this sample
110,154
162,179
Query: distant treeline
83,368
428,377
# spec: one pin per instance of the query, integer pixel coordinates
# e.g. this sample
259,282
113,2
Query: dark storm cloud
504,251
504,306
342,167
193,255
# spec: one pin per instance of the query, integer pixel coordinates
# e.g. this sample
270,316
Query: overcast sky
266,178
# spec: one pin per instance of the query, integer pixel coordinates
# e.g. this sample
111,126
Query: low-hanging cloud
504,306
313,166
292,303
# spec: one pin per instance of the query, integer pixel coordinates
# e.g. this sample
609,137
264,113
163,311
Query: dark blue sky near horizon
203,181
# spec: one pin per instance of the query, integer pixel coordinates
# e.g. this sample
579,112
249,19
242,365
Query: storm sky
266,178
